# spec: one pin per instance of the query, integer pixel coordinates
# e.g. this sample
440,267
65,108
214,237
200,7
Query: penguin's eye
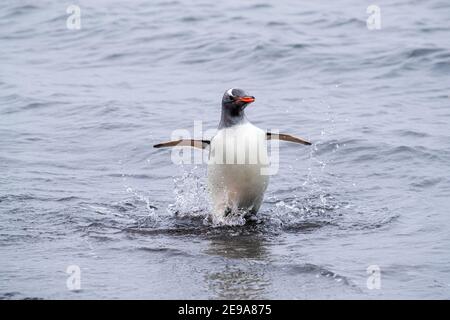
231,98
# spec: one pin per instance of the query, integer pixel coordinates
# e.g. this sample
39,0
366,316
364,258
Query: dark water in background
81,185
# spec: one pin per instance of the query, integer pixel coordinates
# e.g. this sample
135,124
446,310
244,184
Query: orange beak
247,99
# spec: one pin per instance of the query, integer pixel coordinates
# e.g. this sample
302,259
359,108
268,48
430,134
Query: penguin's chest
236,165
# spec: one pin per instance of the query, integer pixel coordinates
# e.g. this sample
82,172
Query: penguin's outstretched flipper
201,144
286,137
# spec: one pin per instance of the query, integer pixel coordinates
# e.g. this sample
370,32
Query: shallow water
81,184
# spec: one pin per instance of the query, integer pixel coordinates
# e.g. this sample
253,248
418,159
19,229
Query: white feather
235,180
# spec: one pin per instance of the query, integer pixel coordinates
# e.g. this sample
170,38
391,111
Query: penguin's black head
234,102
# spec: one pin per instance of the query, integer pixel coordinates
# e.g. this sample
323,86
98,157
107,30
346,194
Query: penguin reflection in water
238,165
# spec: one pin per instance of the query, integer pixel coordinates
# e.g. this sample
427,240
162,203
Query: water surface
81,184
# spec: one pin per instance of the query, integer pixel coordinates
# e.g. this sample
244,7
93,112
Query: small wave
20,10
309,268
16,296
9,295
298,46
350,145
195,230
275,23
130,175
411,133
167,252
114,56
442,67
423,183
347,22
420,52
23,197
68,199
260,6
28,106
408,152
191,19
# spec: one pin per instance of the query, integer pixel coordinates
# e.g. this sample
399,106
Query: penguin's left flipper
286,137
201,144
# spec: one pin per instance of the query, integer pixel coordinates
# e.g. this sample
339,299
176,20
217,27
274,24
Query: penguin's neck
230,118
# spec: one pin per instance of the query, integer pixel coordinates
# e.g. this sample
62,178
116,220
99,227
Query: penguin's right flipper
201,144
286,137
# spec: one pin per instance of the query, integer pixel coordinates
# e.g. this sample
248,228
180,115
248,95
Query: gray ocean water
81,185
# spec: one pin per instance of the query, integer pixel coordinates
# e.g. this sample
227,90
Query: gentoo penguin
237,159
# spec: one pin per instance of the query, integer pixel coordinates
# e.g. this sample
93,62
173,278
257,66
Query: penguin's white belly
236,178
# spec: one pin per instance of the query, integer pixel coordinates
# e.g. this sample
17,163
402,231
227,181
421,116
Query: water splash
149,216
191,195
192,200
